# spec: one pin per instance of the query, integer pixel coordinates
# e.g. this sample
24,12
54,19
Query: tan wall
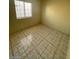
68,51
16,25
55,14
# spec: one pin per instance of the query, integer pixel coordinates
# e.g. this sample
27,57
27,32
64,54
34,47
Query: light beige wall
55,14
17,25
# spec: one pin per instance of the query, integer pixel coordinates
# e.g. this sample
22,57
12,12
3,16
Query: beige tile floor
38,42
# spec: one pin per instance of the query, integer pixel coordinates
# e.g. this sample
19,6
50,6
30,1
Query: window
23,9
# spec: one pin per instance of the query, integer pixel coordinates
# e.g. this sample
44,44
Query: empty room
39,29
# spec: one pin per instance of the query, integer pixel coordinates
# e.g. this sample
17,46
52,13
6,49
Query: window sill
23,18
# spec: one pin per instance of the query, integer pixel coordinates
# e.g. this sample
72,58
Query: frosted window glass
23,9
28,9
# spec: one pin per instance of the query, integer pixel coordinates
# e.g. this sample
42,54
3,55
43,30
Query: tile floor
38,42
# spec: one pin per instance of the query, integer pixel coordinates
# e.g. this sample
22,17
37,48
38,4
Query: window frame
24,16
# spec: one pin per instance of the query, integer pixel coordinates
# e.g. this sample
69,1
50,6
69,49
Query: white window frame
23,9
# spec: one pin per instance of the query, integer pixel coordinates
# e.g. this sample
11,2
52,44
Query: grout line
51,43
34,47
45,49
